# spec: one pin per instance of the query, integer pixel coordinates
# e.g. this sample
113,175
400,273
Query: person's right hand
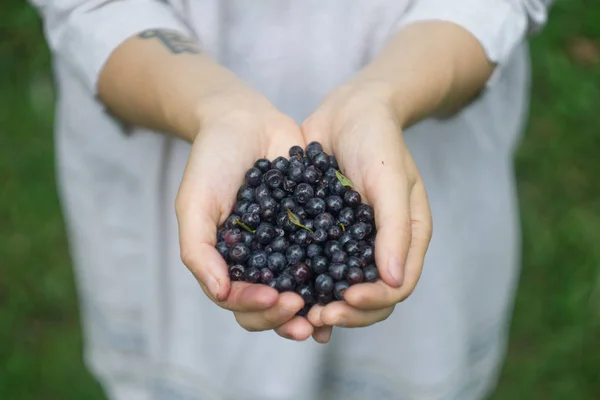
236,130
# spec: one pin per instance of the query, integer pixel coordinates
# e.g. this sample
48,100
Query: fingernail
318,318
214,287
396,270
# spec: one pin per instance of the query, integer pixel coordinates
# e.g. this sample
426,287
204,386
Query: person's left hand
357,124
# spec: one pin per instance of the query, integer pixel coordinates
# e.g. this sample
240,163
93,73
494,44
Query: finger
342,314
286,307
389,194
376,295
298,329
285,135
322,334
249,297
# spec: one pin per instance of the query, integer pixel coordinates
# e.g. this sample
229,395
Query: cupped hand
234,133
358,125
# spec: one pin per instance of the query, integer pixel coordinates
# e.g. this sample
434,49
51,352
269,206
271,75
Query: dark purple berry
351,247
315,206
253,177
266,275
330,247
324,221
338,271
336,187
352,198
236,272
309,224
334,232
319,264
355,262
304,310
324,298
253,208
324,283
251,220
313,250
288,203
302,237
358,231
245,193
355,275
346,216
272,283
312,149
258,260
333,162
265,233
311,174
294,254
241,207
230,221
221,235
223,250
334,204
280,163
232,237
338,256
367,255
321,192
273,178
263,165
339,289
331,172
365,213
285,283
300,212
306,292
371,273
268,213
321,161
279,231
252,275
239,253
247,239
319,236
289,185
303,193
345,238
278,194
276,262
295,174
301,272
269,202
296,151
280,244
261,192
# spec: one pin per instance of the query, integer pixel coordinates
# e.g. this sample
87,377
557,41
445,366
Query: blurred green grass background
555,338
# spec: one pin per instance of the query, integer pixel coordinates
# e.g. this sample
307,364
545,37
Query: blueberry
351,247
306,292
338,256
339,289
358,231
324,298
321,192
334,232
324,283
365,213
319,236
251,220
313,149
278,194
296,151
311,174
266,275
302,237
233,237
315,206
309,224
221,235
303,312
331,246
300,272
367,255
336,187
224,250
338,271
346,216
313,250
334,204
355,275
355,262
272,283
273,178
236,272
295,174
324,221
289,185
294,254
333,162
269,202
241,207
352,198
239,253
245,193
253,208
261,192
371,273
303,193
331,172
258,259
252,275
268,213
280,244
263,165
288,203
280,163
247,239
276,262
295,162
265,233
301,213
320,265
279,231
344,238
230,221
321,161
253,177
285,283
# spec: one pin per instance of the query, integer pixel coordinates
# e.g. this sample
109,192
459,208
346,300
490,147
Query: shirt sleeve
84,33
499,25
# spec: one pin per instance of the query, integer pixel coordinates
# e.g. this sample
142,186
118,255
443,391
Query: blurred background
555,338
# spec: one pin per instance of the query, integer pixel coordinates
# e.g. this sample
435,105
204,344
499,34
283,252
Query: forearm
163,81
428,68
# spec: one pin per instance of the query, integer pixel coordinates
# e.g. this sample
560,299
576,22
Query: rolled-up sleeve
83,33
499,25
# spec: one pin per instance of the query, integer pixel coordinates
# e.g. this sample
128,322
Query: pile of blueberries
298,225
